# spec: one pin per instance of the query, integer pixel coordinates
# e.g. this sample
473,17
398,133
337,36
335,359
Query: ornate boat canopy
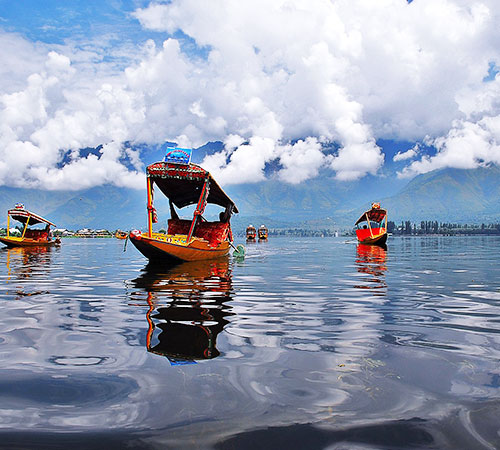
22,215
183,183
377,214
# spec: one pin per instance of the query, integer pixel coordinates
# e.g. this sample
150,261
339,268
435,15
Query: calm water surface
308,343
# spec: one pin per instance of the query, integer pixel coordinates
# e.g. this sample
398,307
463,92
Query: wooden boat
263,233
372,226
185,184
251,233
29,237
121,234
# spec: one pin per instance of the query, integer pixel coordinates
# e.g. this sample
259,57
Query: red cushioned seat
213,232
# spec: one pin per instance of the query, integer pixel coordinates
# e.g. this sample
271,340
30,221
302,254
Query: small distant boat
121,234
29,237
184,184
372,226
251,233
263,233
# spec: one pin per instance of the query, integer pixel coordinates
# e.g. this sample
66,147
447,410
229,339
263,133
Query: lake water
308,343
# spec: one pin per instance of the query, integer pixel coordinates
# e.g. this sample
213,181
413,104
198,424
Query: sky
279,82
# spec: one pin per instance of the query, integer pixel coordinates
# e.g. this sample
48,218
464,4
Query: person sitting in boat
46,233
225,215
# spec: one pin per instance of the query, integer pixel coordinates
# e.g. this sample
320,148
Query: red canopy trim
176,171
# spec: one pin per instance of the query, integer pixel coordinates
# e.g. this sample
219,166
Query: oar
125,245
239,252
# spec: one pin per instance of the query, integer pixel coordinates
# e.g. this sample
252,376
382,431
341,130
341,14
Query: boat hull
173,248
25,242
379,239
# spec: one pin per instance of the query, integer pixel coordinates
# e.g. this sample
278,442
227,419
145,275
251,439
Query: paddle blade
239,252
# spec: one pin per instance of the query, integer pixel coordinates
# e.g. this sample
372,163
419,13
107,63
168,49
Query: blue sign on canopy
178,155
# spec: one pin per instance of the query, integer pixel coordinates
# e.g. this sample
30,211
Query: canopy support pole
25,227
150,206
369,226
200,208
8,225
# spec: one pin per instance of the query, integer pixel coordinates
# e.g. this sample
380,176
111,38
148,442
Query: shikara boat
29,237
251,233
372,226
185,184
121,234
263,233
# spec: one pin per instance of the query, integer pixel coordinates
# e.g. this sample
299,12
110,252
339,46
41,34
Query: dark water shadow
472,426
187,308
391,435
76,441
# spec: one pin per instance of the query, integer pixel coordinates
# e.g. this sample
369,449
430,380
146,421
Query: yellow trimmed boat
29,237
372,226
121,234
185,184
263,233
251,233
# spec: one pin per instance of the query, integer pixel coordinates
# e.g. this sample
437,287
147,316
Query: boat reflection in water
187,308
23,262
371,260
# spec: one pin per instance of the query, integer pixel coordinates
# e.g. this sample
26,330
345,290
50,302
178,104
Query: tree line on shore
405,228
408,227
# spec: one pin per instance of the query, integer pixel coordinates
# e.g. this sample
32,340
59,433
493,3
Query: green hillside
452,195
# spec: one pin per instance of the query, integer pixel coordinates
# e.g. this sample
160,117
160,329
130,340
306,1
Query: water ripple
319,333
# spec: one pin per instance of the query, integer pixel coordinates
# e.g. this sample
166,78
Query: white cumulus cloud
275,81
408,154
470,142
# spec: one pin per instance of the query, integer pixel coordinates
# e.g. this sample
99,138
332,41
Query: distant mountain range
466,196
448,195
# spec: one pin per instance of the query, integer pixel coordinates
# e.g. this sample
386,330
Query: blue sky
81,22
54,21
384,83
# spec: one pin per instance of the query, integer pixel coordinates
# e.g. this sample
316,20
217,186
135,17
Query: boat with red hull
251,233
372,226
29,237
186,240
